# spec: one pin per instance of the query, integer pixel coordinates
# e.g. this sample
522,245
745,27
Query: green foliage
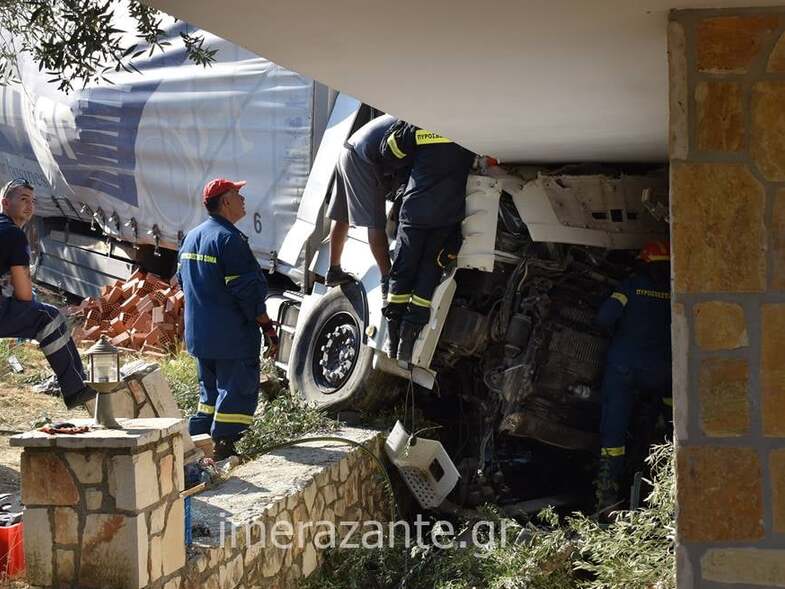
80,40
493,560
183,378
634,551
282,419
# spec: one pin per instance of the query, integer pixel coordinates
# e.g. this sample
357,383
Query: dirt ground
20,408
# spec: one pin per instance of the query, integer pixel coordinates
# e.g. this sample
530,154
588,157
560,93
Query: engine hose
394,508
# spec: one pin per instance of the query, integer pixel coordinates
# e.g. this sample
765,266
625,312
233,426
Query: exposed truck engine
511,338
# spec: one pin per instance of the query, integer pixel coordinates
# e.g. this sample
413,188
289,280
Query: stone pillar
102,509
727,147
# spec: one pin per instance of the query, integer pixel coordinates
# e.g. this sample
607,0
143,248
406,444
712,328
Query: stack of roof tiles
144,313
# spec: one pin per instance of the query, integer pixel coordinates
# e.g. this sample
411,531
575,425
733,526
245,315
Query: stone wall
143,393
727,146
300,486
104,509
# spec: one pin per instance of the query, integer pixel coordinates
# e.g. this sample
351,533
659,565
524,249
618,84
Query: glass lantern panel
104,367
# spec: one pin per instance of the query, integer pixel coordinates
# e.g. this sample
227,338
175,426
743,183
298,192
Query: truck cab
542,247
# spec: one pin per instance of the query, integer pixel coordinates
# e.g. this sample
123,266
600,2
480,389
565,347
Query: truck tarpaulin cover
144,146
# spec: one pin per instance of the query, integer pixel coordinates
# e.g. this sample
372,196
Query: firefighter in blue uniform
20,314
432,208
638,315
225,292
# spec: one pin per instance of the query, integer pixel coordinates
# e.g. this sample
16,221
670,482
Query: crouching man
225,292
20,315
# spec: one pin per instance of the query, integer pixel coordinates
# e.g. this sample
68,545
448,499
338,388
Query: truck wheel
329,365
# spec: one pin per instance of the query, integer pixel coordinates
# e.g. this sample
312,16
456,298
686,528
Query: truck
510,360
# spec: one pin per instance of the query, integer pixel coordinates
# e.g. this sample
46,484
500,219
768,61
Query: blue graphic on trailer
107,122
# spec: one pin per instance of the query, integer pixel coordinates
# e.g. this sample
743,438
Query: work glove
446,260
270,338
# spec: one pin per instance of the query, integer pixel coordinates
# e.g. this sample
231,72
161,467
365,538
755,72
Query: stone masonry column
727,150
102,509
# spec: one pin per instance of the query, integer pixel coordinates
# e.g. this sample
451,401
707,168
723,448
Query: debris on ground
15,364
143,313
64,427
209,472
49,386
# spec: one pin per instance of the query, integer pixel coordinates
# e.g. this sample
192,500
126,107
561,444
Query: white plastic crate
425,466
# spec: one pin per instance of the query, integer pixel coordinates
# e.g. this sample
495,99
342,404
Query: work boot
224,448
80,397
336,276
409,332
393,336
608,483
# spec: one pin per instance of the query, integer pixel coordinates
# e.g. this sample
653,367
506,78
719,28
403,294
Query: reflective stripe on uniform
228,279
49,329
198,257
621,297
424,137
667,401
612,452
398,298
655,294
204,408
60,342
393,143
420,302
234,418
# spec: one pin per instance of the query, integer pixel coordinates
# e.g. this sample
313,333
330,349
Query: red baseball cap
217,186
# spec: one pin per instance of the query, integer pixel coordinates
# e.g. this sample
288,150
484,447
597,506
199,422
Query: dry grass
20,407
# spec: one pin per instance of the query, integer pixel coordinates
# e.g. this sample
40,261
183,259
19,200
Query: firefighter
361,184
225,294
639,358
20,314
432,208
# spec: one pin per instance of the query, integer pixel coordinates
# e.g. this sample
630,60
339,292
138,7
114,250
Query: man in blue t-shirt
21,315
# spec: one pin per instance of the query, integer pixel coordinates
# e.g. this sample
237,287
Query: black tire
346,382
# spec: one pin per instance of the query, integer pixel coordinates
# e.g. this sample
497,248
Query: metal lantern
104,361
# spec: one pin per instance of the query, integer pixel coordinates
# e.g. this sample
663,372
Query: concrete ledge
135,433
